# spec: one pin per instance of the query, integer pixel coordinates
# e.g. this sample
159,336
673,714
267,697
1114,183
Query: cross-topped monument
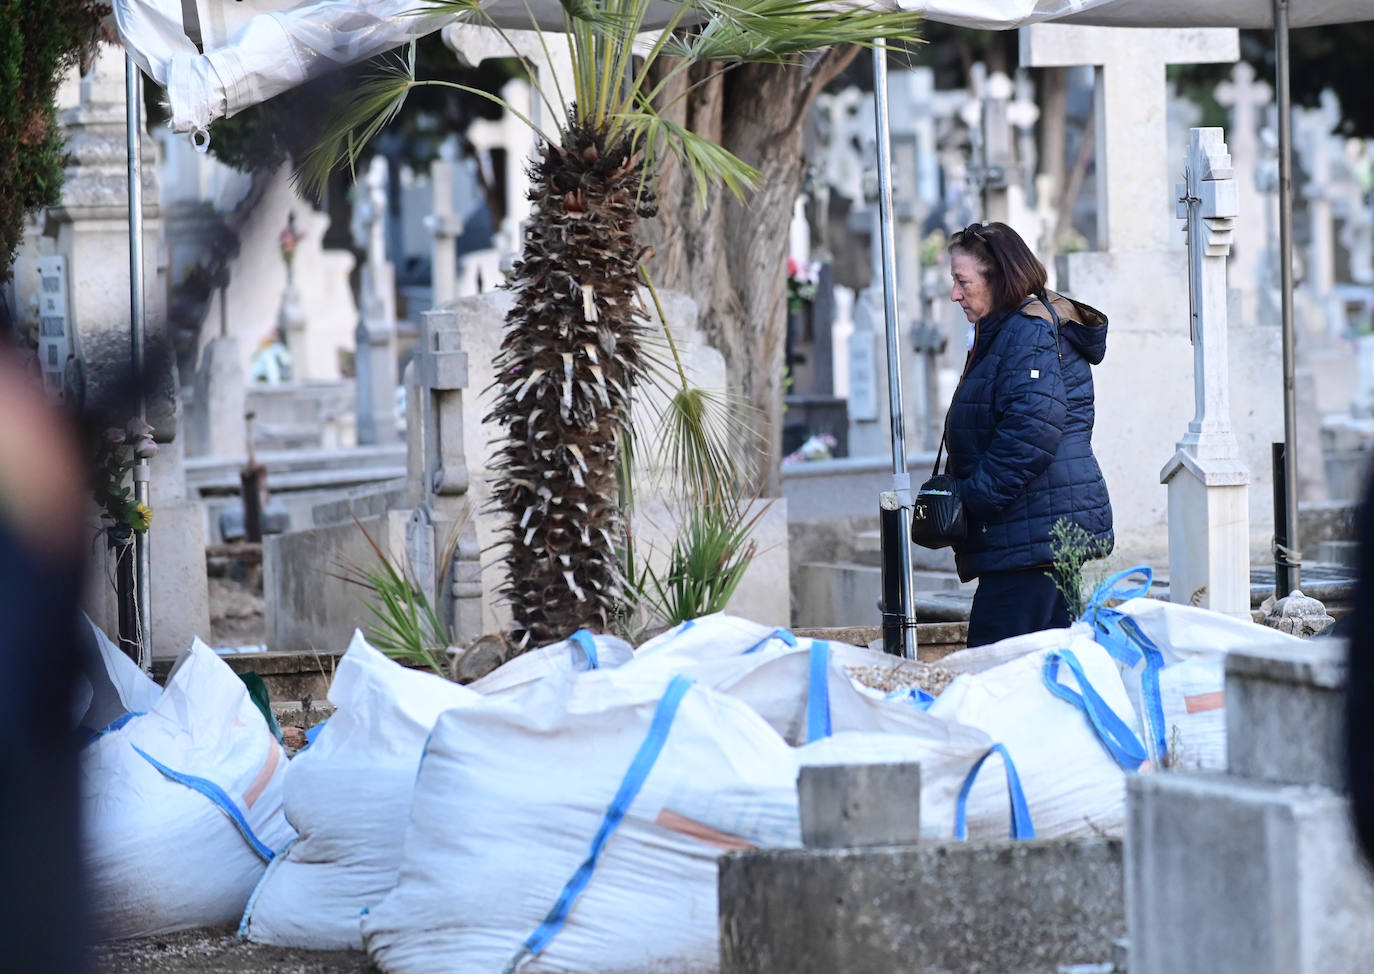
1138,273
1209,520
1132,170
1246,96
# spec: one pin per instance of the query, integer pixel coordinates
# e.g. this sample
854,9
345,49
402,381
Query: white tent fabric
254,49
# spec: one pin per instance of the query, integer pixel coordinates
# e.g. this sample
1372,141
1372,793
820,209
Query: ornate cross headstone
1312,138
438,468
1209,522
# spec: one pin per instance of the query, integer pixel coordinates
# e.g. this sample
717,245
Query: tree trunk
731,257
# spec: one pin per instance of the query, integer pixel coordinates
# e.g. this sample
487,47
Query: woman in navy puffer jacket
1019,431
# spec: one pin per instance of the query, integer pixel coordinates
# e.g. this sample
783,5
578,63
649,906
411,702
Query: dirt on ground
218,950
237,616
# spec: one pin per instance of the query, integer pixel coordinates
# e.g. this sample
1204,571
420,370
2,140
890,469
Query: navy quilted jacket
1019,435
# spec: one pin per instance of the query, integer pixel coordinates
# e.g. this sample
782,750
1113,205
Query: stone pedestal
1209,538
217,424
1255,870
976,908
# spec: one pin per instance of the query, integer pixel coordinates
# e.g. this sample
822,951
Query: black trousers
1010,604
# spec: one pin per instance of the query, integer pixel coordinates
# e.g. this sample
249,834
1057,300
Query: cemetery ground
219,950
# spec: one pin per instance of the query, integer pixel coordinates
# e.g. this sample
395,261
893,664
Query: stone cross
1246,96
438,470
1209,527
518,142
444,225
1312,137
376,333
1132,156
1349,205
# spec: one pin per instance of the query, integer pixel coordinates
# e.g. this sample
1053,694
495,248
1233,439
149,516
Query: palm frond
367,110
774,30
706,161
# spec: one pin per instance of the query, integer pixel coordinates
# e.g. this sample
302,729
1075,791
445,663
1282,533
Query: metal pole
133,111
896,550
1289,554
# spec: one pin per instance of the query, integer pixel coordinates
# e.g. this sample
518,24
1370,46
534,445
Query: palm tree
573,355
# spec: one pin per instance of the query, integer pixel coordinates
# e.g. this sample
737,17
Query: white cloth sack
1072,783
348,795
1192,644
182,847
802,688
582,651
513,793
111,685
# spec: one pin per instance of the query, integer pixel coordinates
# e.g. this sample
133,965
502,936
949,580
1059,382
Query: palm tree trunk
565,372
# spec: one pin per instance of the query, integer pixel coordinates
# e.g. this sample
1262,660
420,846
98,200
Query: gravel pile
929,677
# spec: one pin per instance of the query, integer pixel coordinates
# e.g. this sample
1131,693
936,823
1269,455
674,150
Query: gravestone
91,230
444,225
865,896
441,534
376,332
1255,871
1139,276
55,344
1246,96
1209,521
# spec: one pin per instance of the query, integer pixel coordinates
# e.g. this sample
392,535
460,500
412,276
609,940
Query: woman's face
971,291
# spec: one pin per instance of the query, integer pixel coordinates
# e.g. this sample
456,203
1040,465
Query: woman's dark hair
1012,271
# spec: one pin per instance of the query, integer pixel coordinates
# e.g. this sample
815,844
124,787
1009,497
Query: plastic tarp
251,50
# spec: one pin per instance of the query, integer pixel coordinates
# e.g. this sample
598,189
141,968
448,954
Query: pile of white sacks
565,813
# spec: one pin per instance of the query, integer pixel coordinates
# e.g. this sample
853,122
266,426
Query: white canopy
254,49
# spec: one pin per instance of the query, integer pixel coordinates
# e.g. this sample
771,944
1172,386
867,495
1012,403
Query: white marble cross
1209,528
1132,155
1312,138
444,225
1246,97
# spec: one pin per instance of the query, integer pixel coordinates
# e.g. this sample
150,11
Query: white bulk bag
348,795
1070,755
1175,657
576,827
182,805
801,687
580,651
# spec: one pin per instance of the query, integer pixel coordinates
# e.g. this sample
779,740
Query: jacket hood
1082,325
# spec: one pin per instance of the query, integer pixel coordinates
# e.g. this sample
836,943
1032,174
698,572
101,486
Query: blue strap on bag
1021,825
818,692
784,634
217,795
625,795
585,642
1122,637
1114,733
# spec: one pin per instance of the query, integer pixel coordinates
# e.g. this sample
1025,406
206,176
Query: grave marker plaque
54,323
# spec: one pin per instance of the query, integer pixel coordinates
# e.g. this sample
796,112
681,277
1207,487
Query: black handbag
937,513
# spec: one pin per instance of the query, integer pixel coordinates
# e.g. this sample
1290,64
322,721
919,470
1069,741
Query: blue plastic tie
784,634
